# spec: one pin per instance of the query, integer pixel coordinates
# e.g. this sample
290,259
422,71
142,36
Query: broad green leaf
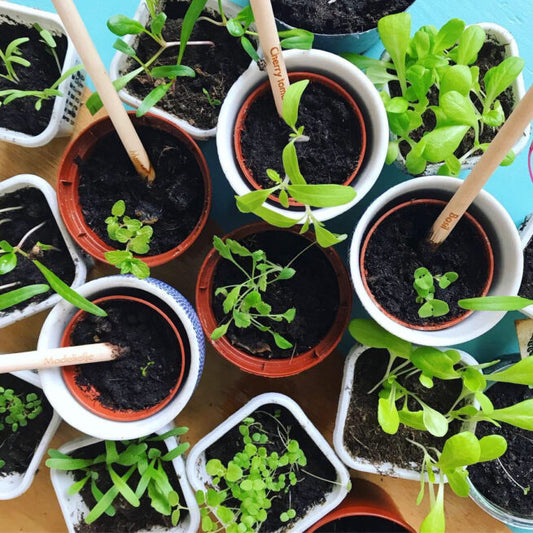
388,417
273,218
231,299
18,296
458,483
234,472
434,363
242,320
234,28
322,195
290,164
154,96
116,257
296,39
492,447
442,142
158,22
413,419
474,379
326,238
398,104
281,342
498,78
434,421
140,269
248,203
249,48
124,47
393,151
459,450
495,303
172,71
121,25
291,102
369,333
7,262
494,117
484,402
519,415
458,109
119,208
508,159
456,78
415,161
470,44
521,373
191,16
449,34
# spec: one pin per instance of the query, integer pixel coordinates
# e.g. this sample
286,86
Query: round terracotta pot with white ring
68,183
488,254
88,397
294,77
272,368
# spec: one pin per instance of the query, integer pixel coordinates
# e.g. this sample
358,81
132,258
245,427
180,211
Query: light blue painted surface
510,185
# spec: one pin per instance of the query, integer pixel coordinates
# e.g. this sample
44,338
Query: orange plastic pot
89,397
68,181
262,89
486,244
273,368
365,499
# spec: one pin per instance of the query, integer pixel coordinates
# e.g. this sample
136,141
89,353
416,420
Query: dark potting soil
35,210
361,524
217,67
21,115
128,519
17,448
493,479
526,289
491,54
398,247
330,156
341,16
172,205
309,491
313,291
151,345
363,436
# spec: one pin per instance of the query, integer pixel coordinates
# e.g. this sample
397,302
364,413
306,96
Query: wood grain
222,390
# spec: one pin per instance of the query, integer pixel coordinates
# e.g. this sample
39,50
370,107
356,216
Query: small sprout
144,369
424,286
12,56
48,40
213,102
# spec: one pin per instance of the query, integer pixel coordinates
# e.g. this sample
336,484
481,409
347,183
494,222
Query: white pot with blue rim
184,317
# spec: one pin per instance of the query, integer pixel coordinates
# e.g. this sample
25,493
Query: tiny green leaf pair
424,285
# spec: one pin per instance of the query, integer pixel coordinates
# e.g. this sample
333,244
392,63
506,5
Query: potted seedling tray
142,519
303,315
194,103
20,121
22,449
26,202
526,289
281,428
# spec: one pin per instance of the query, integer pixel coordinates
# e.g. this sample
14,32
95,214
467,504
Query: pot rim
88,398
263,88
450,322
274,367
68,179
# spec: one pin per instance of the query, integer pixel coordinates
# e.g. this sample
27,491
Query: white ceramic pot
349,77
13,485
120,63
526,234
28,180
192,335
196,460
359,463
504,238
75,509
65,107
505,38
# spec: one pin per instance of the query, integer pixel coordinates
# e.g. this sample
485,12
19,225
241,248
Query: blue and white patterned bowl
78,416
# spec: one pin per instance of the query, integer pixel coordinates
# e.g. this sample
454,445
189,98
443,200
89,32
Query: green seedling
424,286
243,302
495,303
12,56
213,102
293,185
48,40
144,369
441,61
135,235
9,257
139,456
396,401
253,478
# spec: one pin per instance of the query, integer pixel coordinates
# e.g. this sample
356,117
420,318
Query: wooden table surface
222,390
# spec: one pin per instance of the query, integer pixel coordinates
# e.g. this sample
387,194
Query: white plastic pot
359,463
65,107
501,231
351,79
28,180
75,509
196,460
13,485
505,38
120,63
526,234
192,335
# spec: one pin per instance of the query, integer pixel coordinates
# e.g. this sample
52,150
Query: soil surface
128,519
17,448
330,156
217,67
490,55
172,205
493,479
398,247
363,436
151,344
313,291
526,289
361,524
309,491
34,210
21,115
341,16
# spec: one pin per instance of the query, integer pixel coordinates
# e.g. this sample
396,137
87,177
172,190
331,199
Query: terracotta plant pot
366,499
447,323
273,368
293,77
68,181
89,397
